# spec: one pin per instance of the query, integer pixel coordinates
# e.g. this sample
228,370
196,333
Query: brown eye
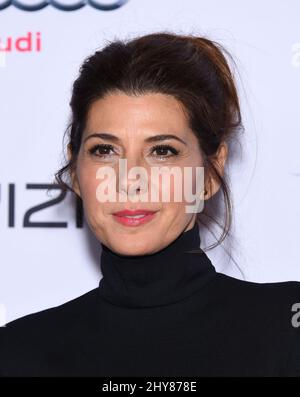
162,151
101,150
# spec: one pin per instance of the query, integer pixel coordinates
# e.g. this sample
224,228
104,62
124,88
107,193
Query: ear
221,157
75,184
219,161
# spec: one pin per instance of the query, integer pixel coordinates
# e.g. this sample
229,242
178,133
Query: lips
134,218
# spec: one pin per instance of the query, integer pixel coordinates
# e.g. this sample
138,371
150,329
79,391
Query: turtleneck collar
162,278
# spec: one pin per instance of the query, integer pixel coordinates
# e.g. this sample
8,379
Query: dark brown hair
192,69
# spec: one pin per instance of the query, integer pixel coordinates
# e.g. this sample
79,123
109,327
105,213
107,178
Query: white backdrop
41,267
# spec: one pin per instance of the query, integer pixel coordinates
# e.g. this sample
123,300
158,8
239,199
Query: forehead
152,112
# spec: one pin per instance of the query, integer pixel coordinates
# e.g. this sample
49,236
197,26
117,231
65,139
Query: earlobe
219,161
221,157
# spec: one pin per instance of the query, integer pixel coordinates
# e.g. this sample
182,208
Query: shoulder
275,303
273,308
29,339
60,314
283,291
280,300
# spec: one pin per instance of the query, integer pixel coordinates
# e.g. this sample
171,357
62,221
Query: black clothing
165,314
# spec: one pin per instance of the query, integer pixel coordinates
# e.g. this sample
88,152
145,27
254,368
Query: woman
161,309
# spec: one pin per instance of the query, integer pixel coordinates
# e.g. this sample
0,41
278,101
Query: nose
132,177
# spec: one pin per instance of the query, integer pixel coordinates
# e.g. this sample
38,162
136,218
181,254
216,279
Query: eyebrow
155,138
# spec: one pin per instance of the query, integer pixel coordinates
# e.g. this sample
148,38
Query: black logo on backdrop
26,218
60,5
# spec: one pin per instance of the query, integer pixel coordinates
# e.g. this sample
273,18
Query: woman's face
134,123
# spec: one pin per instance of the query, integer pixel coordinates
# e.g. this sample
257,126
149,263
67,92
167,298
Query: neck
162,278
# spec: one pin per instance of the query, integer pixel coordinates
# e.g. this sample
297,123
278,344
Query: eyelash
93,150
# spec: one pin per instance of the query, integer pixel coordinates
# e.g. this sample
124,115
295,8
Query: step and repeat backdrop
47,253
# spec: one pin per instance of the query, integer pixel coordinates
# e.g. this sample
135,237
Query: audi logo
108,6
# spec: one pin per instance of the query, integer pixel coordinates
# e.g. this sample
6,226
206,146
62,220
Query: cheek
171,193
88,183
179,186
184,188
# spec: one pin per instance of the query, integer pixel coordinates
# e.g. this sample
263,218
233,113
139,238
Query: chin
130,248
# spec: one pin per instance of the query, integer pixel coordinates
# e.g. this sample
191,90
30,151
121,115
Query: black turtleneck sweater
164,314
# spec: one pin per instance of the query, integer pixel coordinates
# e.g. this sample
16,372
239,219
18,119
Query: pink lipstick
134,218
